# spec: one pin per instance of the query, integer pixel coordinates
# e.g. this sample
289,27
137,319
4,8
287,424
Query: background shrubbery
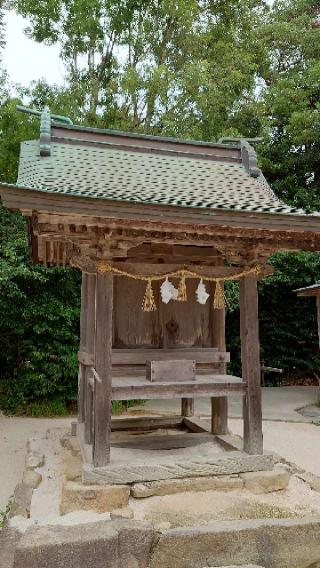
190,69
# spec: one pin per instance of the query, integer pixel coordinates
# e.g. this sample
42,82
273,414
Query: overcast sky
25,60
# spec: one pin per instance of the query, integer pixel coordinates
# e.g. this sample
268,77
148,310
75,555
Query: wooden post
250,357
90,340
318,316
219,405
82,371
103,367
187,407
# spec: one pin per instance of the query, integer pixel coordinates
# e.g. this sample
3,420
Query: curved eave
28,200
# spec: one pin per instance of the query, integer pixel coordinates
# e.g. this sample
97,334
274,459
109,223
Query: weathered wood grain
171,371
318,316
103,366
81,374
137,388
195,424
140,356
219,405
146,423
187,407
250,357
89,348
86,359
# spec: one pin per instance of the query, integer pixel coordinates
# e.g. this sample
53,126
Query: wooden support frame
90,347
82,370
219,405
318,317
103,366
250,357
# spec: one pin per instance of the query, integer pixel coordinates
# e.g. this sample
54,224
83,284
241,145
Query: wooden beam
187,407
250,357
156,268
82,371
90,342
143,423
219,406
29,200
138,388
141,356
103,366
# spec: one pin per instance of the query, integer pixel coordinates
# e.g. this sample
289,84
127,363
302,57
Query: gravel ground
14,434
298,442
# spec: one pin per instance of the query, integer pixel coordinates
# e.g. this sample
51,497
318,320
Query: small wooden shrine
156,225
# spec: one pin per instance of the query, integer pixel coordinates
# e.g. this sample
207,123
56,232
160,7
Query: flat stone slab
312,480
105,544
136,471
266,481
172,486
273,544
90,546
101,498
34,460
21,501
31,478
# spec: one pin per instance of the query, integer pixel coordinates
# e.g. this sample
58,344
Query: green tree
291,100
39,307
171,67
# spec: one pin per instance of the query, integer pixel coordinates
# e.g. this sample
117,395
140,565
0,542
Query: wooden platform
143,453
136,388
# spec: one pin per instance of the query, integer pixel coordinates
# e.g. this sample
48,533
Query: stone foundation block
32,479
312,480
99,498
276,543
71,443
266,481
93,545
125,513
171,486
21,501
135,541
34,460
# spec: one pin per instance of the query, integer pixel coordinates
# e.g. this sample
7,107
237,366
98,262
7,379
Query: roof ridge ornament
45,132
46,119
248,153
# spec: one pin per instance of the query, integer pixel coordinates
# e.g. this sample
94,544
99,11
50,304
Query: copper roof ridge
151,137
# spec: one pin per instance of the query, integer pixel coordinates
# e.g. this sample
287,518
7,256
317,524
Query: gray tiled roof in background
106,173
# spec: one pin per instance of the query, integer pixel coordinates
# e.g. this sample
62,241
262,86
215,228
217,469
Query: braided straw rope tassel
219,300
149,304
182,289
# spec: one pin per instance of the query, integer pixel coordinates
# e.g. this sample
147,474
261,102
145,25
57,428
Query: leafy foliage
39,322
288,324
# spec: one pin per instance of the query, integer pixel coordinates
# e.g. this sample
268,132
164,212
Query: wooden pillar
90,341
103,367
318,316
82,370
187,407
250,357
219,405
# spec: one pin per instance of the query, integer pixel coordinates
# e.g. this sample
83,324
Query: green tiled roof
145,177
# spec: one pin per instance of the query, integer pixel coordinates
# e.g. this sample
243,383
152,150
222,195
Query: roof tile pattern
106,173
